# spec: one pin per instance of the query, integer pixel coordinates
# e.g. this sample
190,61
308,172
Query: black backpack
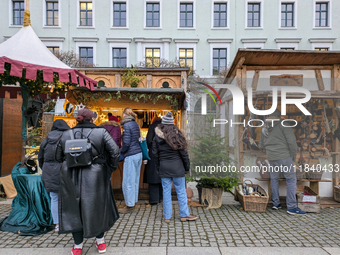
78,151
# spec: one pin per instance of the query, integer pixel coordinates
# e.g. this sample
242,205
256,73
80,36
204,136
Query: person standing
51,167
113,127
132,153
169,149
280,146
87,207
151,173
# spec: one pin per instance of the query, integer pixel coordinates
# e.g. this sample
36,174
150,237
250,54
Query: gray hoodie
280,143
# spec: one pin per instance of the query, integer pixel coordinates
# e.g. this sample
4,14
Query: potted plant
208,153
130,77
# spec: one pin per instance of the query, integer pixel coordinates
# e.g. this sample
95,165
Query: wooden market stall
161,90
318,72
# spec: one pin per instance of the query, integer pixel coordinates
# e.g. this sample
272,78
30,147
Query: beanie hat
113,118
275,115
168,119
84,115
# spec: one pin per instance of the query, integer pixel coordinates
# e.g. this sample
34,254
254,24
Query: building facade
203,34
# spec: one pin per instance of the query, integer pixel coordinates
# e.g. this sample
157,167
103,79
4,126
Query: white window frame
218,43
160,14
92,44
127,14
287,43
152,46
193,2
261,14
44,14
187,44
322,43
53,42
120,43
329,14
10,5
228,14
143,43
295,2
254,43
93,14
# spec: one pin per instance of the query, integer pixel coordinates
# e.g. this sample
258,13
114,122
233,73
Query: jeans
179,183
131,173
54,207
290,176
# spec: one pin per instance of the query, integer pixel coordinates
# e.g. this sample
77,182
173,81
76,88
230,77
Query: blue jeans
54,207
179,183
131,173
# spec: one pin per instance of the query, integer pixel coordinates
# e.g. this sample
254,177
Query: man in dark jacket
280,145
51,167
87,206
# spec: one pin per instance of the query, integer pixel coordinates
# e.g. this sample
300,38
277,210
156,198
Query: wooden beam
255,79
244,78
239,77
327,67
319,80
335,85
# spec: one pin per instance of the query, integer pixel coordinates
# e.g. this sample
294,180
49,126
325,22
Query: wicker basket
336,193
252,203
314,175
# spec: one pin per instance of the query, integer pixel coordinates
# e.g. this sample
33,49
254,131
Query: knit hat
275,115
84,115
113,118
168,119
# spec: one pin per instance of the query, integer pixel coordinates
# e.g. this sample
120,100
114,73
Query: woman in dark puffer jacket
51,167
169,150
132,152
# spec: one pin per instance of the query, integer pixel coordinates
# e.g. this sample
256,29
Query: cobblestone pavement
226,226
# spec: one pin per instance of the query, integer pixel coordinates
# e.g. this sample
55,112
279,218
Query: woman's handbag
144,147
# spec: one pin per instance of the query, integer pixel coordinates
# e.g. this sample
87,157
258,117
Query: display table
313,184
31,214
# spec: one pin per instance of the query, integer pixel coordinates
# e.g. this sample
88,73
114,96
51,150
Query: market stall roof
126,101
26,50
261,57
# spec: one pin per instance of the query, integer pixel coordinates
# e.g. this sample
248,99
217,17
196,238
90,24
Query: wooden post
255,79
319,80
335,78
27,6
244,78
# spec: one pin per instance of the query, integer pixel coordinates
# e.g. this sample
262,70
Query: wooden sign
286,80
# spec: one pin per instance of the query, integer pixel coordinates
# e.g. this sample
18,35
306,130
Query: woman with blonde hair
132,153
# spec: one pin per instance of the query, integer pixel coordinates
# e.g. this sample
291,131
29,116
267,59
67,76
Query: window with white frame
186,57
53,49
86,14
219,60
287,14
254,14
86,54
321,49
322,14
220,14
119,57
152,57
18,9
186,13
119,14
153,14
52,13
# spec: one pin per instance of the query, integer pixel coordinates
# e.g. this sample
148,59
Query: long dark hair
174,137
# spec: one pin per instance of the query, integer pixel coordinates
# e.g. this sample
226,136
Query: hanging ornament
81,106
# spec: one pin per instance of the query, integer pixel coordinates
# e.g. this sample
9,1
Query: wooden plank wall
10,133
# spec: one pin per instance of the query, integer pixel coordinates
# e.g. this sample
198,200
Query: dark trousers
155,193
78,237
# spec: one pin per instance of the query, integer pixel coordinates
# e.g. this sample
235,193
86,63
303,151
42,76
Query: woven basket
336,193
315,175
252,203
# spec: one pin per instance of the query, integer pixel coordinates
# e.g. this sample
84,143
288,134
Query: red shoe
101,247
76,251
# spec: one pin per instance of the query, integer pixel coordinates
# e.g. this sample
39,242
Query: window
152,15
321,14
254,15
86,54
287,48
86,13
186,15
220,14
119,14
219,60
152,57
321,49
186,57
119,57
53,49
18,12
287,14
52,13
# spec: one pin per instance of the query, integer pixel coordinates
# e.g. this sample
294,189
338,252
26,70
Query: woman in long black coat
151,173
86,204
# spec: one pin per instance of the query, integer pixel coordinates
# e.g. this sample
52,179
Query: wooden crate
308,203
